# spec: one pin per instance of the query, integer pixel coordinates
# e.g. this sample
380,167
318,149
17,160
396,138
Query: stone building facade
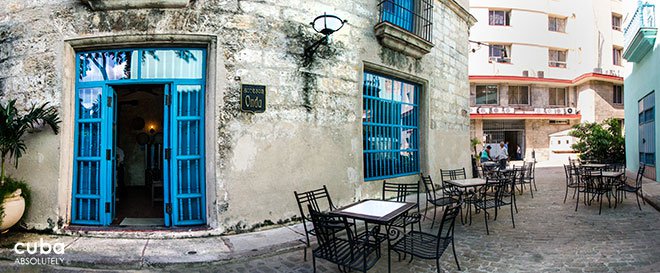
311,133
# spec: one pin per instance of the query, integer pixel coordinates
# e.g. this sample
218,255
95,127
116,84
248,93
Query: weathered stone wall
309,136
604,101
537,137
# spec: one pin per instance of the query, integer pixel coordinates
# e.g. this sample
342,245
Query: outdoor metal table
594,166
464,184
612,174
377,212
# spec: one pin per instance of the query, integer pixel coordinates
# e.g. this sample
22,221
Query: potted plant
14,194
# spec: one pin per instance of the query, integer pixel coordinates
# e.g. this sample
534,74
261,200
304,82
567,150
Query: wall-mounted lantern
325,24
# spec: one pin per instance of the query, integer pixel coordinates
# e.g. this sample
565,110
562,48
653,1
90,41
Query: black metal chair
430,246
529,175
319,200
455,192
400,193
593,187
572,180
494,195
636,188
339,245
433,198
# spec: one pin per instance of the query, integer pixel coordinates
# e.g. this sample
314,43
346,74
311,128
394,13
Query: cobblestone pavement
550,236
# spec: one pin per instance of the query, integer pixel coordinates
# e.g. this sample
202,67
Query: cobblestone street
549,237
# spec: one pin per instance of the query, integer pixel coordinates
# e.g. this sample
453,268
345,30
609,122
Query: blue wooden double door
101,75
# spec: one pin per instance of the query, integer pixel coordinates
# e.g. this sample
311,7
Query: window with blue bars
646,142
390,127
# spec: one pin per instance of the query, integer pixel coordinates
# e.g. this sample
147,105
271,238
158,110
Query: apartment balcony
640,33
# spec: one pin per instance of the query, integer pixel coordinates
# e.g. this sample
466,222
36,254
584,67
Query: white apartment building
539,67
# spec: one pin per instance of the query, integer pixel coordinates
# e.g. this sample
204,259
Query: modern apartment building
539,67
642,82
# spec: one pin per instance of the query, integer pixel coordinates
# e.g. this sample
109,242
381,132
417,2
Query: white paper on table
375,208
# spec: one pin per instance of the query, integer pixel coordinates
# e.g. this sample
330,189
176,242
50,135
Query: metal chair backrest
640,175
446,230
401,191
311,199
568,171
429,187
326,228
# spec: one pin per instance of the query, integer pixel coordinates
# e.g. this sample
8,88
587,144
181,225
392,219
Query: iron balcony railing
644,17
414,16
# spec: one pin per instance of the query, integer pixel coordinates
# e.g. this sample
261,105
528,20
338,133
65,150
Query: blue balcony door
400,13
94,159
185,195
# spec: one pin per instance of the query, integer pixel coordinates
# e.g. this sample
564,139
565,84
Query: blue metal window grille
182,72
414,16
646,141
390,127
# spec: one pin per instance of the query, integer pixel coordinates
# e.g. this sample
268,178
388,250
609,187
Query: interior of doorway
515,139
139,138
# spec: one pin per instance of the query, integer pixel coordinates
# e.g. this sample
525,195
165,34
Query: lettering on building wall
253,98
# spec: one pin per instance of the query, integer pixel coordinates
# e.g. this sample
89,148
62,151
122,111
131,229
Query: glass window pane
188,100
89,102
169,64
486,94
108,65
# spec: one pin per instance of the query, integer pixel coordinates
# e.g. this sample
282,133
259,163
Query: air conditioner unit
496,110
525,73
570,111
550,111
473,110
484,110
509,110
540,74
539,111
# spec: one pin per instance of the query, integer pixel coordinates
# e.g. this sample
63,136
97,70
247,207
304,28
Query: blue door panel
187,168
90,193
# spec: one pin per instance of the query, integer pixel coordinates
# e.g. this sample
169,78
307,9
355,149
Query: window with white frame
557,96
499,17
557,24
616,21
617,52
486,94
518,95
557,58
499,53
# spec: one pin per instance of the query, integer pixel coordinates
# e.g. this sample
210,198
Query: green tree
13,126
601,142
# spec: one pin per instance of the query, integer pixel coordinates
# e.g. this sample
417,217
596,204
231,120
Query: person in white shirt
502,155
